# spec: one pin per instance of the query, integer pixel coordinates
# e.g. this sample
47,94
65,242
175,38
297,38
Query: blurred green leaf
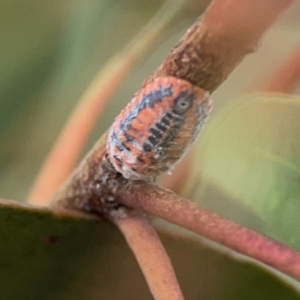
51,52
251,152
46,255
29,35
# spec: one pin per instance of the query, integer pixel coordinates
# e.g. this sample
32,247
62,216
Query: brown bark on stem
219,41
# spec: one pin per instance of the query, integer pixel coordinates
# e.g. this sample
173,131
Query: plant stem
149,252
187,214
219,40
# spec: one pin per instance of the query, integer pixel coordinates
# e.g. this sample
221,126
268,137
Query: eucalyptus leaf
48,254
251,152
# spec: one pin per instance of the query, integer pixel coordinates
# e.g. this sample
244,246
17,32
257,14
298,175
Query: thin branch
73,137
187,214
287,77
149,252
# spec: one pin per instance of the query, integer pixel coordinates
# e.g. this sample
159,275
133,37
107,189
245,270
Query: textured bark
219,40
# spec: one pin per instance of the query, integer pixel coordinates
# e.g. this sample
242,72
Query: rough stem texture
149,252
219,41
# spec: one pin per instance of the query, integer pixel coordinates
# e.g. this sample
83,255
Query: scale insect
157,127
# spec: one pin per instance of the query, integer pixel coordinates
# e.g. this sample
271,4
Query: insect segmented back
157,127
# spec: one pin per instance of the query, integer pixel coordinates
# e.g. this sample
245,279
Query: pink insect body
157,127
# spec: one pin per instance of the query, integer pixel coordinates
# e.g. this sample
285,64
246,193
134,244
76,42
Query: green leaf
52,255
251,152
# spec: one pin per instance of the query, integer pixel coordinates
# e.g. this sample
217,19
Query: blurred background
51,51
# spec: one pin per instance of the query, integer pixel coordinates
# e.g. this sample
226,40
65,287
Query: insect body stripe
172,134
152,140
155,132
151,98
159,127
128,137
171,115
119,143
165,120
147,147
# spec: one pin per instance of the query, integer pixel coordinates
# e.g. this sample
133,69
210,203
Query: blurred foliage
251,153
52,256
50,52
